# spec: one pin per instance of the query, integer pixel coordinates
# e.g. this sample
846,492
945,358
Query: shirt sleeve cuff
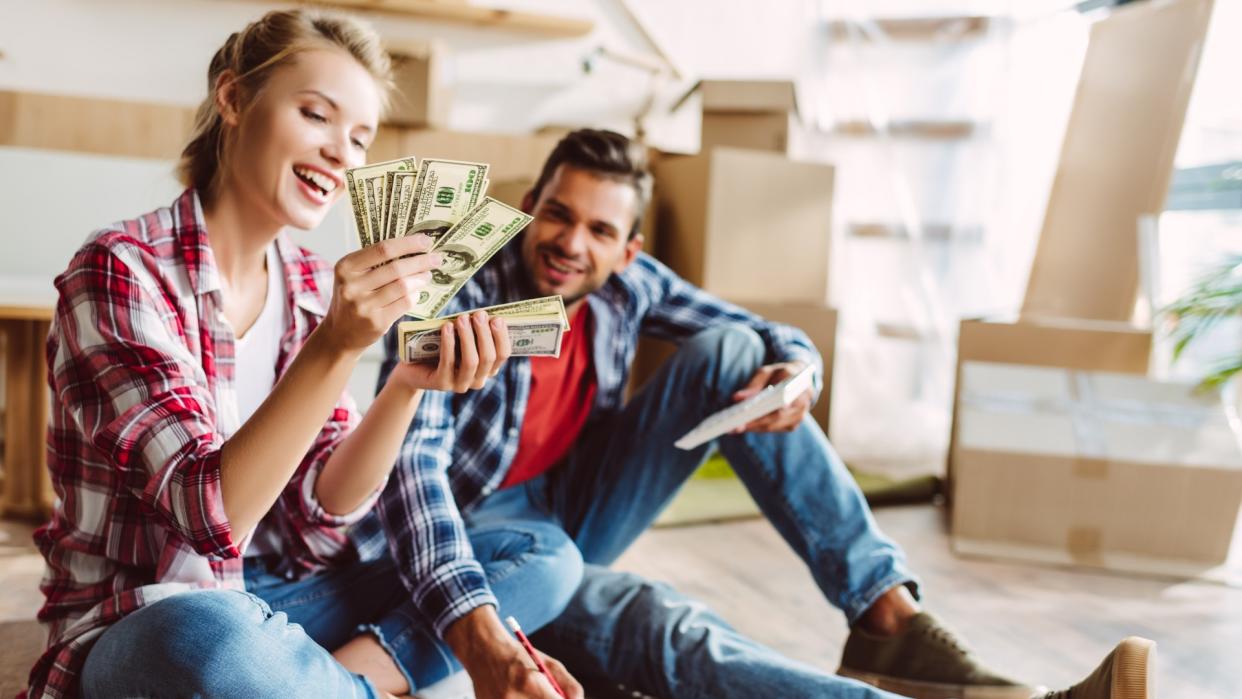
189,495
797,353
315,512
452,591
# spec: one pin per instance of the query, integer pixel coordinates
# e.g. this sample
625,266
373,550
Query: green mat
715,494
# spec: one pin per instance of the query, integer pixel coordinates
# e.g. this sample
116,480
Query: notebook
773,397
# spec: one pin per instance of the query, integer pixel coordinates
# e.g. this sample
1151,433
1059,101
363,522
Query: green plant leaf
1215,296
1221,373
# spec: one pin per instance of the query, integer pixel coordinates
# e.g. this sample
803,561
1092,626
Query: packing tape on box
1093,469
1086,427
1086,410
1084,543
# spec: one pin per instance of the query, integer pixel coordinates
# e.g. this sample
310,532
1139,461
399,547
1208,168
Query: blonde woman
206,458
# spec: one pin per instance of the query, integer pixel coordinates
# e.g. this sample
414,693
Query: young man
550,440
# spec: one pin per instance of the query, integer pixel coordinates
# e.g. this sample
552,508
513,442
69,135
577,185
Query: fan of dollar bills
446,200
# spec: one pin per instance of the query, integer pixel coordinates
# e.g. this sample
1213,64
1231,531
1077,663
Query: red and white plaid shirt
140,363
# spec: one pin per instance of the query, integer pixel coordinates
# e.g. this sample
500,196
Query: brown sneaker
926,661
1127,673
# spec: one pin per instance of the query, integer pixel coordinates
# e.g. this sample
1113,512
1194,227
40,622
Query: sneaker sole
1134,668
936,690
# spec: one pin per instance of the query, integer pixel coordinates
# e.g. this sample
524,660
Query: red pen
530,650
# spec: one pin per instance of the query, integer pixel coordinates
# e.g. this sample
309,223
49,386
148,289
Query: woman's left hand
472,349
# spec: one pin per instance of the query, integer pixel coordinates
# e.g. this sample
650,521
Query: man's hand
785,419
498,665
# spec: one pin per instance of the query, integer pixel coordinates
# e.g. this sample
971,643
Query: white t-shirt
256,352
254,372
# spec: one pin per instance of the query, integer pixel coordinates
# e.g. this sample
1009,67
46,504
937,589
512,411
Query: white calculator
773,397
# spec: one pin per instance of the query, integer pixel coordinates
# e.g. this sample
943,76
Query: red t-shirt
562,390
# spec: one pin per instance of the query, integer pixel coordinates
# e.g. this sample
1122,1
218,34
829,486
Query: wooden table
26,306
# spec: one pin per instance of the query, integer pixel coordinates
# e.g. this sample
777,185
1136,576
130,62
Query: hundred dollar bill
538,335
445,192
465,248
366,210
373,188
542,306
385,193
359,209
400,186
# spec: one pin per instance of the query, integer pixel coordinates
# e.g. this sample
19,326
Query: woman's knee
212,643
192,636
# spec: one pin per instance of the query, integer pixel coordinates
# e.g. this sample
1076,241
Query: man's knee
665,619
726,355
669,620
677,635
734,338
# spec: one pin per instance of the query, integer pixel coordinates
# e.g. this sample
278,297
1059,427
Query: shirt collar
300,277
190,230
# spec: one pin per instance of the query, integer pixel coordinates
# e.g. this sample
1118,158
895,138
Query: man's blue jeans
623,472
275,638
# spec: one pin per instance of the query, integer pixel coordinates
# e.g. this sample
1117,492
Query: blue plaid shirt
459,446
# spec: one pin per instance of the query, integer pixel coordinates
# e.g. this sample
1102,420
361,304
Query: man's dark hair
606,154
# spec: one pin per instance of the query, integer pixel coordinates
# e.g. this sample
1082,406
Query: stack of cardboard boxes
754,114
417,118
740,219
1063,450
422,93
744,221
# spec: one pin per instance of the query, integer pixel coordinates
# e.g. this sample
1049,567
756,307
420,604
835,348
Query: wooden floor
1043,625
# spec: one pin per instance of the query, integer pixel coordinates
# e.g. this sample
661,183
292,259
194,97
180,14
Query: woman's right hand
374,286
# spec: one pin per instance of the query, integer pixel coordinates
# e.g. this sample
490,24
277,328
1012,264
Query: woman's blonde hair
252,54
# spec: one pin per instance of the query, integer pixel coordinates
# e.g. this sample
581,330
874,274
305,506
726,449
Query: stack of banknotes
447,200
536,327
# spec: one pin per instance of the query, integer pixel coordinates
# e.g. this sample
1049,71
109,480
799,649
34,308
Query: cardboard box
760,114
510,191
1093,468
747,96
1060,343
771,131
1063,343
91,125
422,96
1117,158
818,321
746,224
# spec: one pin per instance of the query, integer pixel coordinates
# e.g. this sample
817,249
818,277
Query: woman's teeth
319,180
